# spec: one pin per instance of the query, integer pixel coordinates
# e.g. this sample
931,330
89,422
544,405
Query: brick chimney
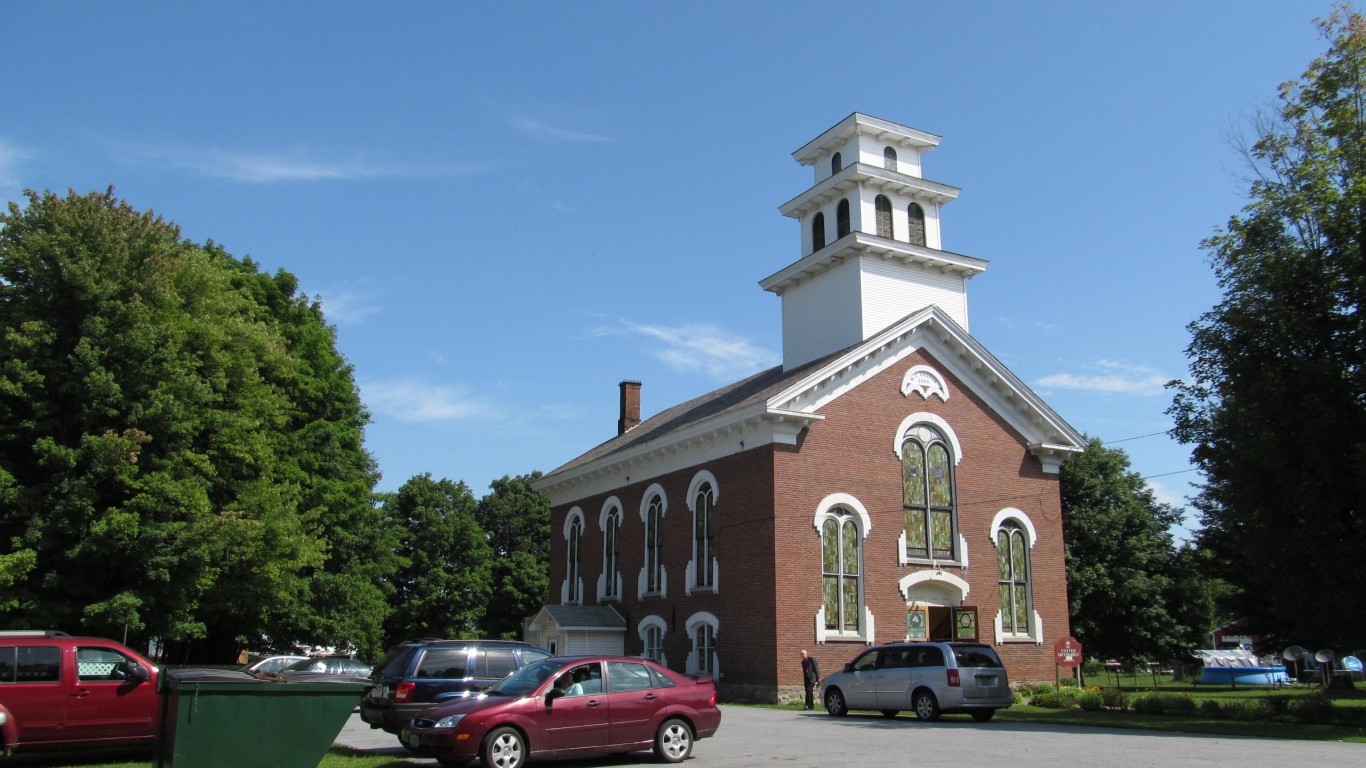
630,406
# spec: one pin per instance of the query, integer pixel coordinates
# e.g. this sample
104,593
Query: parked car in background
62,691
419,673
928,677
330,665
571,707
274,664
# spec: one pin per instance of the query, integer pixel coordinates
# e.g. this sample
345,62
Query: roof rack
33,633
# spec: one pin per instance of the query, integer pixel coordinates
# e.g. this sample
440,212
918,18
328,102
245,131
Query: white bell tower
871,250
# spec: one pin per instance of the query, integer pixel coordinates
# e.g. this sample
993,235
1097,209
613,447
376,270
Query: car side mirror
552,694
138,673
848,666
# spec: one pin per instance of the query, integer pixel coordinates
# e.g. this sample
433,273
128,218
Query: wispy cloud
417,402
270,167
344,305
10,155
1111,377
704,348
1012,323
538,130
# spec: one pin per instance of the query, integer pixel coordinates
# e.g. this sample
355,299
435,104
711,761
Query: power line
1140,437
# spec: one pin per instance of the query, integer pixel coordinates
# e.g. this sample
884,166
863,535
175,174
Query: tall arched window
917,217
884,216
889,159
928,496
836,163
842,219
841,579
575,537
818,232
610,536
654,545
1012,561
651,631
704,534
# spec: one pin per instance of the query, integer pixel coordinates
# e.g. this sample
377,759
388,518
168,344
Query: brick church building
891,480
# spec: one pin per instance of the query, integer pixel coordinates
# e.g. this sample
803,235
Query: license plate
379,692
986,681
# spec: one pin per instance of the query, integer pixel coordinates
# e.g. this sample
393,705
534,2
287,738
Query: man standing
811,675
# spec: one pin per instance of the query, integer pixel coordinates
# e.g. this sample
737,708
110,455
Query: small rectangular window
37,664
494,663
443,663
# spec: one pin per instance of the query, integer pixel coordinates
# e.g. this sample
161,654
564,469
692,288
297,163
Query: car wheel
926,706
890,713
983,715
834,703
504,748
673,743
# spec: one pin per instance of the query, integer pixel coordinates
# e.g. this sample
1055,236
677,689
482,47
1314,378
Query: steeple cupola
871,249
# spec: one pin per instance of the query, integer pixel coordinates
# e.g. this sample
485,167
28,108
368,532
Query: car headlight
3,718
449,721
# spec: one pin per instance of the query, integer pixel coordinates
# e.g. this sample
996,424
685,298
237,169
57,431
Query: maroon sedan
571,707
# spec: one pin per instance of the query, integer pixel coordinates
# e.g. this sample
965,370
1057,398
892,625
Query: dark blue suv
420,673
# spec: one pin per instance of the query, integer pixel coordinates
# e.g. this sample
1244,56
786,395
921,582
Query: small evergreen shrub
1149,704
1067,682
1060,699
1091,701
1313,709
1114,698
1247,711
1277,706
1211,708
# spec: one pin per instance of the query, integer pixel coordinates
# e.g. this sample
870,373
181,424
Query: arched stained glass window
610,538
575,536
841,556
1012,561
654,545
916,214
927,494
704,533
884,216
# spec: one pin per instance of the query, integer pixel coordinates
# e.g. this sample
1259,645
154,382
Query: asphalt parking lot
752,736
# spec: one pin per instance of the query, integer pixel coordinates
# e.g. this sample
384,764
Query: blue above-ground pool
1244,676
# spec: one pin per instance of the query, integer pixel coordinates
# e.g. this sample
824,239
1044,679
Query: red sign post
1067,653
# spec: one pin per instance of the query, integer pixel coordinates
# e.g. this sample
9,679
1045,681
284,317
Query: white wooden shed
575,630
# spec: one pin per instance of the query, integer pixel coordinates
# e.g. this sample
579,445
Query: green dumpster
231,719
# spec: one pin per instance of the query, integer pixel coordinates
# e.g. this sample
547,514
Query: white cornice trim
862,174
839,134
861,244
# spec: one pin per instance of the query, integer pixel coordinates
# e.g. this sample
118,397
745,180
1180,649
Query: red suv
57,690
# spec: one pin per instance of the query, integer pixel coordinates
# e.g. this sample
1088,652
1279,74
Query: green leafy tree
445,581
517,520
1119,553
1276,403
179,442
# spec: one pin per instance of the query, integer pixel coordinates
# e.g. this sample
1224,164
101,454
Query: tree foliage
1119,556
444,582
1276,403
180,443
517,520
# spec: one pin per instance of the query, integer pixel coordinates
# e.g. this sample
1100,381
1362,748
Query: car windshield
525,680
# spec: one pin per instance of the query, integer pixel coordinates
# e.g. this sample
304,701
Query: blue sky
507,208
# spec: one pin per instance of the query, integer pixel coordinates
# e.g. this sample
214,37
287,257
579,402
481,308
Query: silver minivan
928,677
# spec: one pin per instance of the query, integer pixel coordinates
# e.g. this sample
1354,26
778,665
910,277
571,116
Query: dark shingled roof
732,397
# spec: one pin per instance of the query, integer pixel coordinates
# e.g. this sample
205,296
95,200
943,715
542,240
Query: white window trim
690,575
1035,633
607,506
643,581
690,626
574,514
654,621
865,524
